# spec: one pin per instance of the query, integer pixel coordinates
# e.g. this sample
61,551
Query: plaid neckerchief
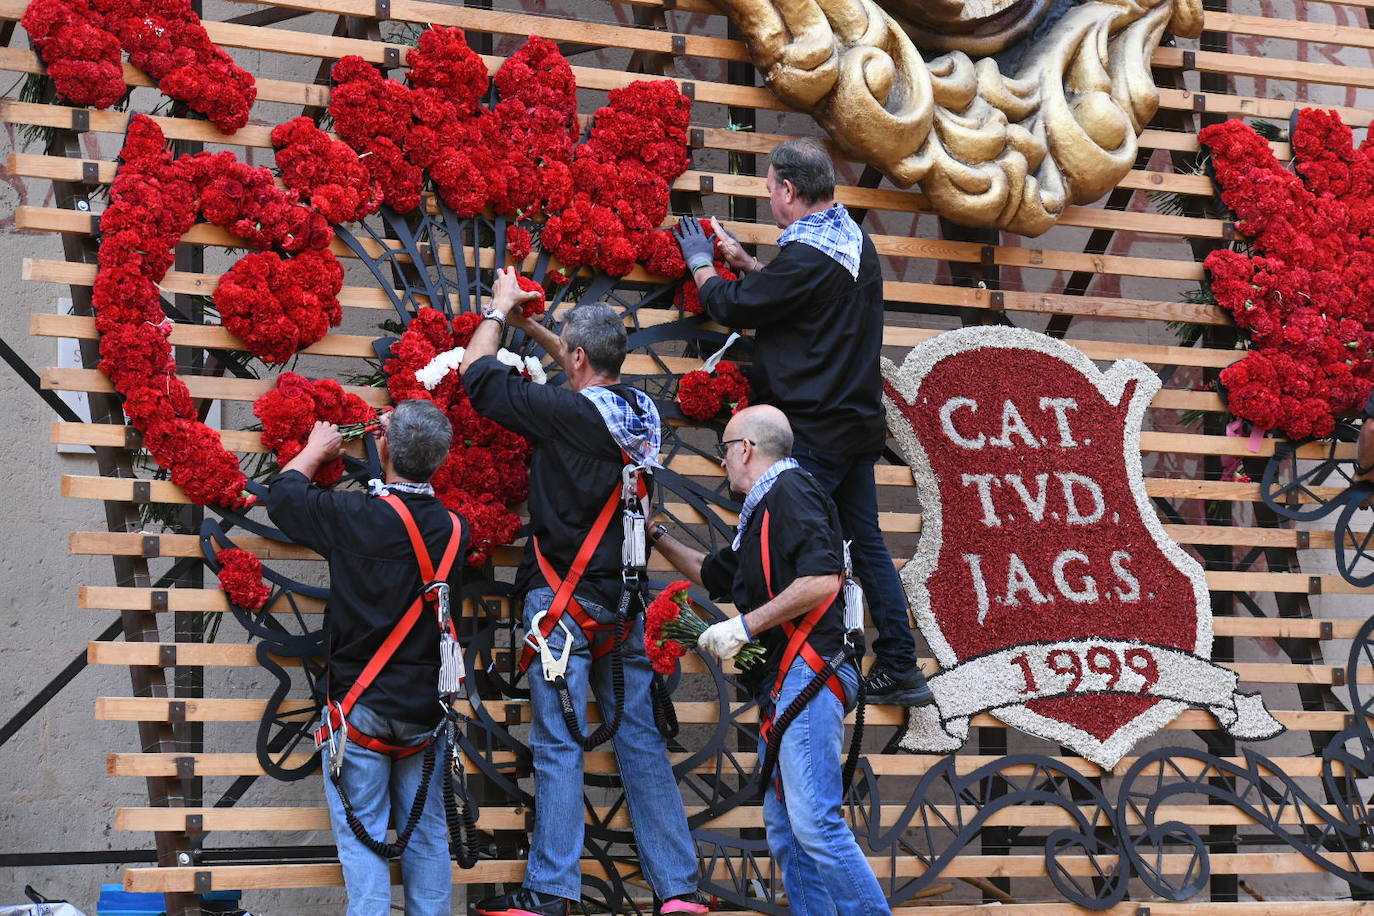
831,231
375,487
756,494
640,436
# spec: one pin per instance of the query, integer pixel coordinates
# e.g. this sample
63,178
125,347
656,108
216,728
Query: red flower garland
240,575
325,173
290,410
1306,295
703,395
487,470
80,41
277,306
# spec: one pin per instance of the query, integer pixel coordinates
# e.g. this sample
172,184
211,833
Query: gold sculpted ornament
988,149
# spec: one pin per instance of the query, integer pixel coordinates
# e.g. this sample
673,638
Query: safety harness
337,731
630,497
798,635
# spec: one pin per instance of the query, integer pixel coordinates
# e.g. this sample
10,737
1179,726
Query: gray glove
697,249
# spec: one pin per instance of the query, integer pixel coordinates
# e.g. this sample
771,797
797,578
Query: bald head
766,427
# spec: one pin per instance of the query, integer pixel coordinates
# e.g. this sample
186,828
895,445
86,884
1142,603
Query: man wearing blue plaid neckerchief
817,314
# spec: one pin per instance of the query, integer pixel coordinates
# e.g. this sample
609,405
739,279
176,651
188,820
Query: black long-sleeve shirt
373,579
818,338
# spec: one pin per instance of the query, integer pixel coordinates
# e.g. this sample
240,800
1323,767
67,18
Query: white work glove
725,639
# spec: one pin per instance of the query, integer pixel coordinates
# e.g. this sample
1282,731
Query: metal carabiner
555,666
337,742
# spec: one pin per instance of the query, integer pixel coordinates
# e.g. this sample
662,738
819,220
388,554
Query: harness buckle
440,595
555,666
337,741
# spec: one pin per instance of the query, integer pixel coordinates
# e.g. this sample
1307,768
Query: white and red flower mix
80,43
1306,294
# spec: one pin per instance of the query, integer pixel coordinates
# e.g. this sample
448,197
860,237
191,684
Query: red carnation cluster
240,575
487,469
704,395
621,176
80,43
1306,294
290,410
325,173
665,609
277,305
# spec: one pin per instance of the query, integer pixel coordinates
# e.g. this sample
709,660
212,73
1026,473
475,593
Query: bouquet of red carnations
671,627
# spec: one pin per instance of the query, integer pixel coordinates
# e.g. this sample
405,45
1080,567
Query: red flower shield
1044,582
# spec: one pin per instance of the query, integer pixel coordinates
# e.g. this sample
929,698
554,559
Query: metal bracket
997,301
95,224
90,172
167,655
1189,60
1228,231
142,492
708,184
157,600
512,714
195,824
1326,631
1314,585
669,4
203,882
391,57
176,711
987,256
186,767
81,120
1304,539
1142,911
133,437
679,45
1200,101
382,11
151,546
696,138
1337,677
689,89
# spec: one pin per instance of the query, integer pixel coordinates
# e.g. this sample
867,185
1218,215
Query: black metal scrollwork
1092,846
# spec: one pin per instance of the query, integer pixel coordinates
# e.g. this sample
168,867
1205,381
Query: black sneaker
523,902
691,904
897,688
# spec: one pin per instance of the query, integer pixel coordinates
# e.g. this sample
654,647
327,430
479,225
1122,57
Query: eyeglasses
723,446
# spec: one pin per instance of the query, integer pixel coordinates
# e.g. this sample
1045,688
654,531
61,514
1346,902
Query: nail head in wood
203,882
157,600
176,711
167,655
391,58
142,492
1314,585
679,45
90,172
151,545
81,120
186,767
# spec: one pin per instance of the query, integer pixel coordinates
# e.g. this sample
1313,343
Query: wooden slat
154,709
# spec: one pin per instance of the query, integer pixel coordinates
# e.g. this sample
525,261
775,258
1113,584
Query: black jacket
818,339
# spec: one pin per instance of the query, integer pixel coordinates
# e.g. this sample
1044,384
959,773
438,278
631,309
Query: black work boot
897,688
523,902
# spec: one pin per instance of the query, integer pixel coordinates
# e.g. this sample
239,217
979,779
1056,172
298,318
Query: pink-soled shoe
692,903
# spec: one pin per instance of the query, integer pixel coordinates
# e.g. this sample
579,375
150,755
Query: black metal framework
1113,836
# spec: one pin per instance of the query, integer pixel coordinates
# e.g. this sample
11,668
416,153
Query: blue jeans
382,790
849,481
823,869
668,856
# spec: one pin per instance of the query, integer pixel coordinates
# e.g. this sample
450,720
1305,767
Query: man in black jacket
375,578
583,437
817,313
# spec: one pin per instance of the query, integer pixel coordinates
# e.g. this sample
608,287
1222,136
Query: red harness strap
338,712
798,636
563,598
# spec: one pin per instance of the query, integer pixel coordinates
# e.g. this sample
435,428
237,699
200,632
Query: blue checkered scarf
640,437
831,231
756,494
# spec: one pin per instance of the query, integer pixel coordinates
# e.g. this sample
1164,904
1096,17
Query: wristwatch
657,532
494,314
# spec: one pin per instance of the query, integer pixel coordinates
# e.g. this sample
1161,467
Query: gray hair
598,329
418,437
806,164
770,432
